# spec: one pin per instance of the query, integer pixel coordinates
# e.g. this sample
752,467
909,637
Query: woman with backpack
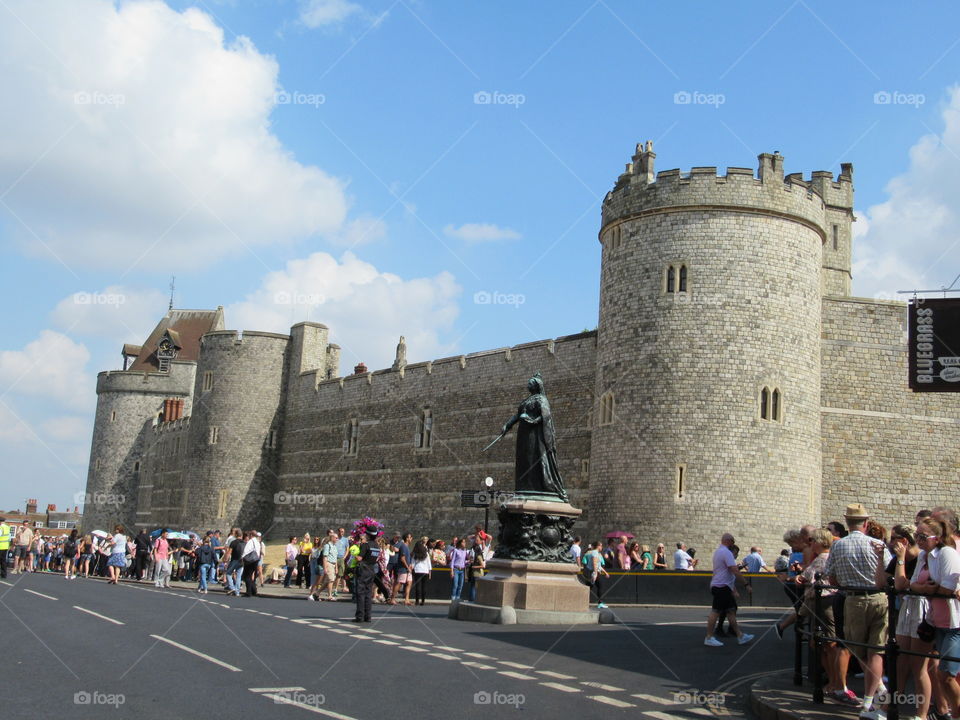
252,550
70,556
593,568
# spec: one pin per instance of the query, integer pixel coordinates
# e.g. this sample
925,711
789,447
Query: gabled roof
186,328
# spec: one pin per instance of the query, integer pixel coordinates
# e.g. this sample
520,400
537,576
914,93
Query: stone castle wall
894,450
469,398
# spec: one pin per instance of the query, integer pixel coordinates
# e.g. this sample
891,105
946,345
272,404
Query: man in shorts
725,574
852,564
343,542
404,570
21,553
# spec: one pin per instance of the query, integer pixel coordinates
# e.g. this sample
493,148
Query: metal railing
891,648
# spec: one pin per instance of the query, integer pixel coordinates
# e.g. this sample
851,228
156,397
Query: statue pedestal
531,578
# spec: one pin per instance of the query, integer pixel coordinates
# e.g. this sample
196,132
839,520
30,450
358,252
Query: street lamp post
488,486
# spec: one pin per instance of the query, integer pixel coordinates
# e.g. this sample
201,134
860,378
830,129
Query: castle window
675,279
585,469
214,435
351,436
775,405
113,416
96,465
136,466
222,504
764,404
836,232
271,440
606,408
681,479
207,381
771,404
682,283
424,437
671,279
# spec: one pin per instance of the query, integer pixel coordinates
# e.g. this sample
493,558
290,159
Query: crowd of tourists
859,564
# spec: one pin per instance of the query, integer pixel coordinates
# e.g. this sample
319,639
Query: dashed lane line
283,699
386,642
96,614
4,582
610,701
199,654
443,656
299,620
558,676
653,699
516,675
657,715
413,648
479,656
420,642
601,686
477,665
519,666
561,687
34,592
447,648
281,689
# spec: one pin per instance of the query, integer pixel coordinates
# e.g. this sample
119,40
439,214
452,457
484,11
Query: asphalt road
171,654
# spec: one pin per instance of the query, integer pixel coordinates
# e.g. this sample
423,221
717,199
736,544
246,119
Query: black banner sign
934,345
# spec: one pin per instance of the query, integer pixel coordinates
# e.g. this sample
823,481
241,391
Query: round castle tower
127,406
235,429
708,356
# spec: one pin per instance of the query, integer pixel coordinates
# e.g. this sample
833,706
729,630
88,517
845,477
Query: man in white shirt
725,574
575,550
681,559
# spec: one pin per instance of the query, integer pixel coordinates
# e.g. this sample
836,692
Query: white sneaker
873,715
744,639
712,642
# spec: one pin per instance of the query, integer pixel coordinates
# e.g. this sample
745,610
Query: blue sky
334,152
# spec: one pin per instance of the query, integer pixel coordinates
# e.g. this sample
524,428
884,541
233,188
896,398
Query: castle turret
708,355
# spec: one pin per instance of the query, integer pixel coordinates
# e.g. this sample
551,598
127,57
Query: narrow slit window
606,408
208,380
424,437
214,436
671,279
775,405
836,233
681,480
765,404
682,284
351,436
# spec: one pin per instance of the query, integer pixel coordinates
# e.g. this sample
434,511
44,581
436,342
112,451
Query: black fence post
893,652
815,628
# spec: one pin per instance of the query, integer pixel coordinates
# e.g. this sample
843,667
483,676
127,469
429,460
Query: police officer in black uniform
366,572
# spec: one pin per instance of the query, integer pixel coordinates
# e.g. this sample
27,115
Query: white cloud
481,232
910,241
119,313
317,13
153,135
362,231
365,309
52,366
13,428
68,428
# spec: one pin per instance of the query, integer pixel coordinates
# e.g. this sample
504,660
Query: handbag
925,631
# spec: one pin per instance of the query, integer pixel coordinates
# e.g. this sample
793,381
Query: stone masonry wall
894,450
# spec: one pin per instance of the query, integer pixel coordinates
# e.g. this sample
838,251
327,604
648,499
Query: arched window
775,405
682,285
606,408
765,404
424,436
671,279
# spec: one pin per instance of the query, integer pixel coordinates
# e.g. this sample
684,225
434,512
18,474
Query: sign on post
934,344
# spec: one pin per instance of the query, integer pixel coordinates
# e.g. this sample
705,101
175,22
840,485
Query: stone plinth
526,585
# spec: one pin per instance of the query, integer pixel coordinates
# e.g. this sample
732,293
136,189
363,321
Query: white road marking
611,701
102,617
339,631
197,653
449,649
48,597
519,666
478,655
283,689
443,656
657,715
386,642
601,686
420,642
312,708
4,582
654,699
395,637
302,622
414,648
477,665
561,687
252,610
371,630
518,676
361,637
558,676
278,617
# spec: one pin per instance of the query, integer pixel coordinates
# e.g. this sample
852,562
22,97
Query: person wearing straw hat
853,566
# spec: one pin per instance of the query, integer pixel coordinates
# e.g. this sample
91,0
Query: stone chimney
31,507
51,508
359,369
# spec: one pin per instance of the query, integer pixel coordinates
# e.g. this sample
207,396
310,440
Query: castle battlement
638,192
178,381
180,424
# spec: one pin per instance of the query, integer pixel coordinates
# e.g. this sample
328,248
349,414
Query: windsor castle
732,384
